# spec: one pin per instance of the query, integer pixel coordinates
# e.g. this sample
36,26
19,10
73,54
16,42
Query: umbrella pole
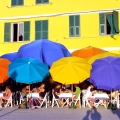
72,92
111,97
29,88
72,104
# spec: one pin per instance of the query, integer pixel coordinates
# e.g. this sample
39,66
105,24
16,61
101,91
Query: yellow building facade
74,23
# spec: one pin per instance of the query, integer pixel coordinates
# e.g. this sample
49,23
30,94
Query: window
17,2
14,32
74,26
108,23
41,1
41,29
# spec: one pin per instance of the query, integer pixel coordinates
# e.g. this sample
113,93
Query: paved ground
59,114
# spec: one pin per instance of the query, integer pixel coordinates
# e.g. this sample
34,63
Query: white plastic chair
55,100
78,100
85,101
100,102
118,101
21,98
9,101
44,100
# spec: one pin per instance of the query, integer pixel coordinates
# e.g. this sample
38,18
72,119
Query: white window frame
17,33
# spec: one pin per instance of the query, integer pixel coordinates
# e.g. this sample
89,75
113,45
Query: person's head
63,86
27,87
7,87
76,85
91,86
58,86
42,86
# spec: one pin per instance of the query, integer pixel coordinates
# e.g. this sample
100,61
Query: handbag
112,106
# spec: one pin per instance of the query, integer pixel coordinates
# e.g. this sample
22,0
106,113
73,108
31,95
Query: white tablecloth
101,96
34,95
65,95
1,94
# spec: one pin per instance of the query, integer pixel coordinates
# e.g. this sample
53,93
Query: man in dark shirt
56,91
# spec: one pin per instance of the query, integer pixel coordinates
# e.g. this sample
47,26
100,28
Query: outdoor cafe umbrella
10,56
43,50
70,70
28,70
4,63
105,73
87,52
99,56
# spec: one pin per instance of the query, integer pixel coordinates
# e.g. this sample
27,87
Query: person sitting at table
7,93
23,92
77,91
90,95
1,97
63,88
114,94
56,91
42,90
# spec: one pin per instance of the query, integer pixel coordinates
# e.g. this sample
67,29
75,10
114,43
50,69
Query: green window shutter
38,1
7,32
45,35
17,2
116,21
102,22
20,2
77,25
71,26
45,29
74,25
102,18
45,1
109,18
77,20
42,1
13,2
45,25
71,21
26,30
38,29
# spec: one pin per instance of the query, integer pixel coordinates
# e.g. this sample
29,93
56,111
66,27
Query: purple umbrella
43,50
10,56
105,73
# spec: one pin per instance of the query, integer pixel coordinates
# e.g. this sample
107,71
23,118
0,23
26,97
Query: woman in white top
89,95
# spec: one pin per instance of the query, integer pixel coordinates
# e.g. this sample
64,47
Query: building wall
58,25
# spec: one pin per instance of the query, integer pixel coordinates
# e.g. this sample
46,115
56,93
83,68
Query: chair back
45,97
10,98
79,96
53,96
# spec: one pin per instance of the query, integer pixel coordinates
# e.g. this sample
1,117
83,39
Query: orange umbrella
4,69
87,52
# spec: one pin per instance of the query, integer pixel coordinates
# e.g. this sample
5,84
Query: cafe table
66,97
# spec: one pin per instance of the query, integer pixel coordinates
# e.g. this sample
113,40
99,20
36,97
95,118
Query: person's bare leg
92,103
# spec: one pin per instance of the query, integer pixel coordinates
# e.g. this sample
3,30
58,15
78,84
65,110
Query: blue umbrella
28,70
105,73
43,50
10,56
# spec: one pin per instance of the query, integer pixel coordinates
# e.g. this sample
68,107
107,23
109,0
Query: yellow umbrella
102,55
70,70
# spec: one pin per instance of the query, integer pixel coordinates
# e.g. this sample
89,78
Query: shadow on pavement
117,112
87,115
92,114
8,113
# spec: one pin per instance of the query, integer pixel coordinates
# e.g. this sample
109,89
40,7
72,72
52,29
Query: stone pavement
59,114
